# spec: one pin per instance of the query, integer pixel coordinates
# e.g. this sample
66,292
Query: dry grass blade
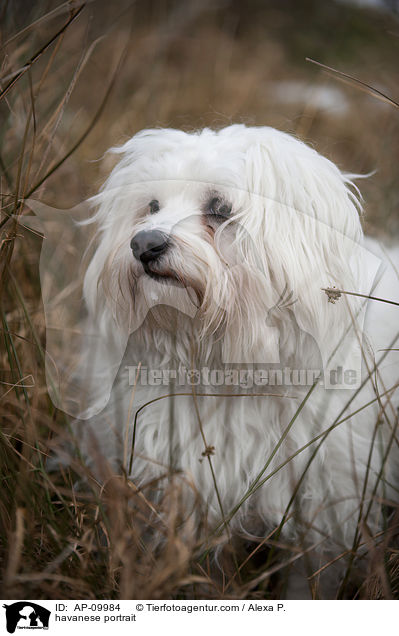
202,395
88,129
15,555
280,566
18,74
256,483
353,80
59,112
65,7
334,294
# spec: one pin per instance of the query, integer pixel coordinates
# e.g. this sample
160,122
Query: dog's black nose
148,245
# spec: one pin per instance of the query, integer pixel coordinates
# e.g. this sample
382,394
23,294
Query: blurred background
79,77
200,63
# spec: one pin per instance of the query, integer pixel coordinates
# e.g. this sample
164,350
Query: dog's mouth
165,275
168,276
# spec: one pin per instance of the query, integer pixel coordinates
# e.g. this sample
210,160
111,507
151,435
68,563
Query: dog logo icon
26,615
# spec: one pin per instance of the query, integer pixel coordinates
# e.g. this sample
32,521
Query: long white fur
295,226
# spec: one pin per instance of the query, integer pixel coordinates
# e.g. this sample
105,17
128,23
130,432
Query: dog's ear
305,219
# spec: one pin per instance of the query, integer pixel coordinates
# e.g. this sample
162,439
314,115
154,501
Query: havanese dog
232,342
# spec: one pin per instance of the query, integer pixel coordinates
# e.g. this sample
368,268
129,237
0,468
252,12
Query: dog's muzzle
148,245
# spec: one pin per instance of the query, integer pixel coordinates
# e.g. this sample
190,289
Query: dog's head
219,224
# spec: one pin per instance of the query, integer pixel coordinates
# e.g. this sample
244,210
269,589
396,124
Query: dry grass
76,79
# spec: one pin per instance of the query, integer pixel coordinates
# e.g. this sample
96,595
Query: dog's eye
154,206
218,207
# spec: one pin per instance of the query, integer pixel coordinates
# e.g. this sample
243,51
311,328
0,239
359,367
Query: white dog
214,248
